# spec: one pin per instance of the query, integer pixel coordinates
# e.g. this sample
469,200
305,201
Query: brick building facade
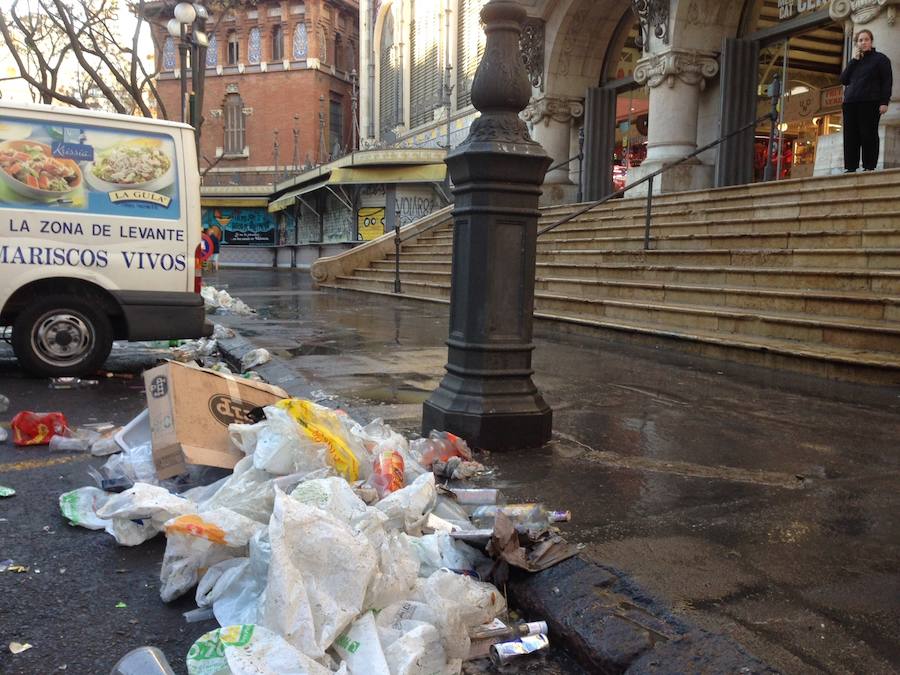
280,66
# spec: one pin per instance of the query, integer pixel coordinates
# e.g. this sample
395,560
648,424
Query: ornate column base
688,176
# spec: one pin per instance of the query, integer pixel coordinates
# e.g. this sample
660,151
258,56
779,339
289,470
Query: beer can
504,652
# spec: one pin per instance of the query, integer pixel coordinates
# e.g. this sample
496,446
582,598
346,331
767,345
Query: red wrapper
31,428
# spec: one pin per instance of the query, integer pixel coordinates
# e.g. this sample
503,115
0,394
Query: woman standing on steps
867,81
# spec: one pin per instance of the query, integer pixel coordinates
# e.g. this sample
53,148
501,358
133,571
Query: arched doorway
801,46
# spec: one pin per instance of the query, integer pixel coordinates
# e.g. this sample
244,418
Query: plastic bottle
527,517
69,444
440,445
71,383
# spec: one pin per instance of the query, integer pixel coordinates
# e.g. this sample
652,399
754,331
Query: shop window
300,46
254,46
212,52
234,48
277,43
169,54
235,132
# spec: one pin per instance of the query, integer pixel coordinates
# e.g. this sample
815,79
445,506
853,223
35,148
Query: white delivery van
99,233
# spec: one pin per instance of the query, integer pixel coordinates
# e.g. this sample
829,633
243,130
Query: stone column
675,77
487,395
880,17
551,117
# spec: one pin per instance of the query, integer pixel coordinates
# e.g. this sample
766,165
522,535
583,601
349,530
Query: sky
15,90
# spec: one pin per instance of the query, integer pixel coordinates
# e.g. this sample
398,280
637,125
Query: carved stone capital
653,17
859,11
691,66
560,109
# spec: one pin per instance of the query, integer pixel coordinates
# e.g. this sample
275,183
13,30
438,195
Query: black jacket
868,79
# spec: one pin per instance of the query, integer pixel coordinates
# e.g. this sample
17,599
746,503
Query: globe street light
195,16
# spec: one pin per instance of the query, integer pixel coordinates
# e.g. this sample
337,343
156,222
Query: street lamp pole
182,53
193,15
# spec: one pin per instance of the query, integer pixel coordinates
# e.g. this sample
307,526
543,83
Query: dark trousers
861,133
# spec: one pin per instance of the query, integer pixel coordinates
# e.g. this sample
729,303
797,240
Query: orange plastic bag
31,428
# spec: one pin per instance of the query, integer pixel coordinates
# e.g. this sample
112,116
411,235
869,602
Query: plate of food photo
139,164
30,170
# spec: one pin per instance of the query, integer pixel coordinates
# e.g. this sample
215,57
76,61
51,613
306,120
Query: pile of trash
330,547
204,351
221,302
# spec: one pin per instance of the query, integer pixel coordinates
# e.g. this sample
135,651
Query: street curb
605,620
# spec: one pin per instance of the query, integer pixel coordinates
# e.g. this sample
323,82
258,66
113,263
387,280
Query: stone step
879,259
851,205
868,239
885,282
852,280
832,222
845,304
859,334
862,186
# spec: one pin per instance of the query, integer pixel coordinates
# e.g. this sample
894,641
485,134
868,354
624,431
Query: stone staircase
801,275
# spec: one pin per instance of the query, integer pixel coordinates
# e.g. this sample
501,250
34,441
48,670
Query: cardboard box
190,410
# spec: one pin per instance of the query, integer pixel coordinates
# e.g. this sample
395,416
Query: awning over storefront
246,202
288,199
425,173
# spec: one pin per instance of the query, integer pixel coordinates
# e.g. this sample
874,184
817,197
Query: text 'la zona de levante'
143,232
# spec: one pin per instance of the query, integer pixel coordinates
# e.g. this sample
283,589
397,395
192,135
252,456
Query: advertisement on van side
113,172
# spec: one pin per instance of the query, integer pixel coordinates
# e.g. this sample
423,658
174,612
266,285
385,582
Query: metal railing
651,176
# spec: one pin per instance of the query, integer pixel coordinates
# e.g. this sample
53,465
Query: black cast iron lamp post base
488,396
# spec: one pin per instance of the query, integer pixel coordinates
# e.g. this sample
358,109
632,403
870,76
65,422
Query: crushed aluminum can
504,652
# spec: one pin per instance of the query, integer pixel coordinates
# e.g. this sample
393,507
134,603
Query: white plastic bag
361,649
248,650
410,639
80,506
235,587
438,551
139,513
333,495
318,576
408,508
248,491
253,358
196,541
135,464
281,449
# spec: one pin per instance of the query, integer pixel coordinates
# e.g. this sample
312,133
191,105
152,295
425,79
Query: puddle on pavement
401,393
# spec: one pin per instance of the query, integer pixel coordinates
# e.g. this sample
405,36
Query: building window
254,46
389,90
338,52
470,48
425,69
212,52
300,45
277,43
234,48
336,126
169,54
233,111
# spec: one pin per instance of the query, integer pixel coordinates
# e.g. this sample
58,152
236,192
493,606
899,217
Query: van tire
61,336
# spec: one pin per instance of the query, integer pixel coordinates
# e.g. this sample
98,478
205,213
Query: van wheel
60,336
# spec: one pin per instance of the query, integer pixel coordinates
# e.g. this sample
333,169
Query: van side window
234,124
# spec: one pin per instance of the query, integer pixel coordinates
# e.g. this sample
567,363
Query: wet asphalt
761,505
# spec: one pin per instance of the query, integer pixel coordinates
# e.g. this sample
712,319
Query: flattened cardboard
190,410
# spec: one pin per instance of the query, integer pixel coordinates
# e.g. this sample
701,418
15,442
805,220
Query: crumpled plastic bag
135,464
249,650
80,506
248,491
408,508
438,551
360,648
234,588
459,603
378,437
139,513
411,641
397,570
318,576
196,541
345,452
277,444
253,358
333,495
221,302
37,428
